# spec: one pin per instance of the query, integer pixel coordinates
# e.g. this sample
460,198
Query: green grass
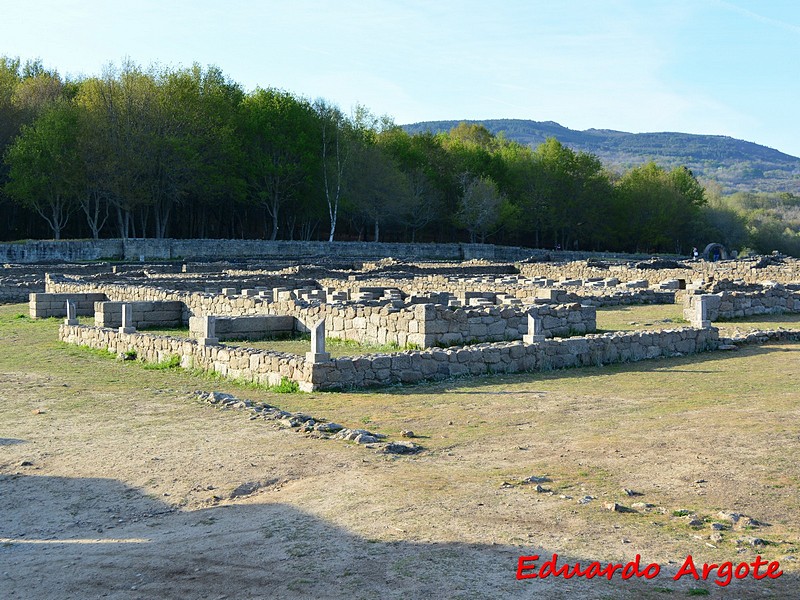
336,347
173,362
786,321
650,316
669,316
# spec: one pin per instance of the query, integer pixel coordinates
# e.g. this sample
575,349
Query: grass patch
99,352
286,386
632,318
173,362
300,344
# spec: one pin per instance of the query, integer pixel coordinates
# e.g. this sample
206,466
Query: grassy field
108,450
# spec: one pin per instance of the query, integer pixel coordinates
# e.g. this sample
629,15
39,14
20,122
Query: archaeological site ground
394,421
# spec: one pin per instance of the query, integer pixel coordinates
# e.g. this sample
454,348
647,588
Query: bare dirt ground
115,482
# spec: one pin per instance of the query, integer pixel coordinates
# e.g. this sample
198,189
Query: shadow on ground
98,538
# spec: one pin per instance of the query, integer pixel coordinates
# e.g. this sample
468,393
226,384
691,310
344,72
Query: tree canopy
186,152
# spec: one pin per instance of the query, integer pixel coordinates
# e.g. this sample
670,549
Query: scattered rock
407,434
308,425
628,492
26,463
245,489
585,499
402,448
536,479
642,505
328,427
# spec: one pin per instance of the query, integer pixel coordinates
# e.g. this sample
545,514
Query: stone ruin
443,324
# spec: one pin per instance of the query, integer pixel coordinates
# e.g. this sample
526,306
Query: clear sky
728,67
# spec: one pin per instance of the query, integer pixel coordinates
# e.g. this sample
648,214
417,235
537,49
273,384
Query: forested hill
735,164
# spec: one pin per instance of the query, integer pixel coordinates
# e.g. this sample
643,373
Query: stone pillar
72,316
700,317
208,331
535,333
229,292
318,353
127,321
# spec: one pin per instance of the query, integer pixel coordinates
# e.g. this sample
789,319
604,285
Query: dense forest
186,152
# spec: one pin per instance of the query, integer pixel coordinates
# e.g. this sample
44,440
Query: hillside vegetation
735,164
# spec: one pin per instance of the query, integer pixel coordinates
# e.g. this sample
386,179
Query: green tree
658,210
480,207
376,189
279,137
45,166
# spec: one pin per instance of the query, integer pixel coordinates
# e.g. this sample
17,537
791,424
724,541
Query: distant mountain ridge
736,164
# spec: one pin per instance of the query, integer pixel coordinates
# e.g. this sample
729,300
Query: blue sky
728,67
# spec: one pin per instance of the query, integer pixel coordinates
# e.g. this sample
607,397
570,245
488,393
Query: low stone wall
527,290
32,251
143,314
785,270
13,292
245,328
45,305
735,305
170,249
268,368
441,326
260,366
509,357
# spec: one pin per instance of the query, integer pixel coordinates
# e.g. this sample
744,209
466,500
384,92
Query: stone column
700,317
208,331
72,316
535,333
127,320
318,353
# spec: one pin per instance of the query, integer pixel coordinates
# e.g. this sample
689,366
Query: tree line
186,152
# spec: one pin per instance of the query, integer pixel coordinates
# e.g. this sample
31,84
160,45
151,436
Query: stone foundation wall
171,249
747,270
509,357
33,251
19,291
529,291
45,305
268,367
442,326
735,305
246,328
143,314
259,366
